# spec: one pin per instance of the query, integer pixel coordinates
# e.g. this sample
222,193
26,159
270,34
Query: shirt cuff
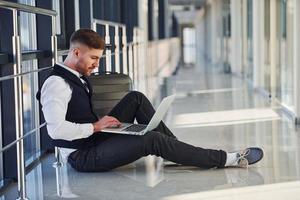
86,130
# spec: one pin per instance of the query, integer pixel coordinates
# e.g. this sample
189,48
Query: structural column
215,31
297,59
273,46
236,33
200,39
258,43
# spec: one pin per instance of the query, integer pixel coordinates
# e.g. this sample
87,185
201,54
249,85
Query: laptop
141,129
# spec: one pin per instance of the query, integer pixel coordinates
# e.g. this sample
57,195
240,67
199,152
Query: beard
83,69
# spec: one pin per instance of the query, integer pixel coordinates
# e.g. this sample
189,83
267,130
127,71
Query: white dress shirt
55,96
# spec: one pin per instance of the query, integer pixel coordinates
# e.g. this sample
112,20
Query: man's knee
152,137
153,142
136,95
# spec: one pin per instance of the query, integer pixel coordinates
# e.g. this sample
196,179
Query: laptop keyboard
135,128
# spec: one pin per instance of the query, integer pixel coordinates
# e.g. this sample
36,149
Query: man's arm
55,96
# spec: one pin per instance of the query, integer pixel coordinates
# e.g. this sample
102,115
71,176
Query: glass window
35,184
285,92
1,154
244,37
250,40
30,106
59,7
30,84
226,35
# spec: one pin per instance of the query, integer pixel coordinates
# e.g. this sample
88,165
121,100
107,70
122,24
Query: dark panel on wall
44,34
98,9
162,18
108,11
84,9
150,19
129,16
8,123
7,97
44,43
112,10
117,11
69,20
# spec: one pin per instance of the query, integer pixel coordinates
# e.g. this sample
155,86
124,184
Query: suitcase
108,89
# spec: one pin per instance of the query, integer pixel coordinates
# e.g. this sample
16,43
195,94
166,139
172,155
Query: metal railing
17,76
117,46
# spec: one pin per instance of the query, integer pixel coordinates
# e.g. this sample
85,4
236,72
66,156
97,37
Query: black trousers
117,150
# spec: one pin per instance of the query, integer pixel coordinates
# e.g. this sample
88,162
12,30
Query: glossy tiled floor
212,110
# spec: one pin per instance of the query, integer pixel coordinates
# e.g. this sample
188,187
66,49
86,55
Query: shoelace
242,160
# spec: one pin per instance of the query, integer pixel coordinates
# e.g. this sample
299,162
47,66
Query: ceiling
187,12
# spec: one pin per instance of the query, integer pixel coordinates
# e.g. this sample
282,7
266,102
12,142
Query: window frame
61,37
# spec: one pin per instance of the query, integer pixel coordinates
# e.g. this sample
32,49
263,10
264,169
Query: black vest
80,109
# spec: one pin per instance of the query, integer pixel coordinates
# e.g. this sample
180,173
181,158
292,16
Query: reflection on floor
219,118
277,191
212,110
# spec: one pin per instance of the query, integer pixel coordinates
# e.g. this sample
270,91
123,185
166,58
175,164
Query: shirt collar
69,69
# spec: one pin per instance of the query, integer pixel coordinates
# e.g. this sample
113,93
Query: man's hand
105,122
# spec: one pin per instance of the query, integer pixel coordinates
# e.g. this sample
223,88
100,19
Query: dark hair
89,38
